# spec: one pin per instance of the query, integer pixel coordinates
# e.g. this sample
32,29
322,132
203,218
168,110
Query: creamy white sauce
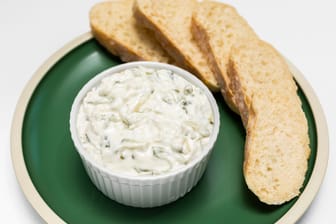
144,122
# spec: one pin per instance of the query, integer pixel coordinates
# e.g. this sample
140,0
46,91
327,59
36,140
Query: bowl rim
96,80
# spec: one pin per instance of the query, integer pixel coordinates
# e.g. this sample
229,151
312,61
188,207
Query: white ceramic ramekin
144,191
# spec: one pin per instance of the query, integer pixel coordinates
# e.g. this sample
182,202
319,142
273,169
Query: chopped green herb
171,75
103,93
126,122
188,90
185,109
211,120
87,138
184,103
157,150
142,170
167,100
107,143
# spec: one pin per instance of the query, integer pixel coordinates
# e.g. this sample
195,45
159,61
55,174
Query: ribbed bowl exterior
146,193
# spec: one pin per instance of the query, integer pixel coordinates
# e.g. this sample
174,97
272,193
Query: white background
30,31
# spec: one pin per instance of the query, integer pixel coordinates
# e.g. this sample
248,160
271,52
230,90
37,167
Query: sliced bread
171,22
216,27
114,27
277,142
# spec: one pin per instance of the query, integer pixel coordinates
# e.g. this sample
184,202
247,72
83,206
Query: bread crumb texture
277,142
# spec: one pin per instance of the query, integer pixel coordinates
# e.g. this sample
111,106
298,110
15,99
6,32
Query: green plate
51,174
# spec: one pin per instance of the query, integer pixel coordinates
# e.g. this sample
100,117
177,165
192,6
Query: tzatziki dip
144,121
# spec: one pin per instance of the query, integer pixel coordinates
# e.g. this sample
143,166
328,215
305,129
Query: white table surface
303,30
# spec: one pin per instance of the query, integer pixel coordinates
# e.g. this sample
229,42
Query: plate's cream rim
291,216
